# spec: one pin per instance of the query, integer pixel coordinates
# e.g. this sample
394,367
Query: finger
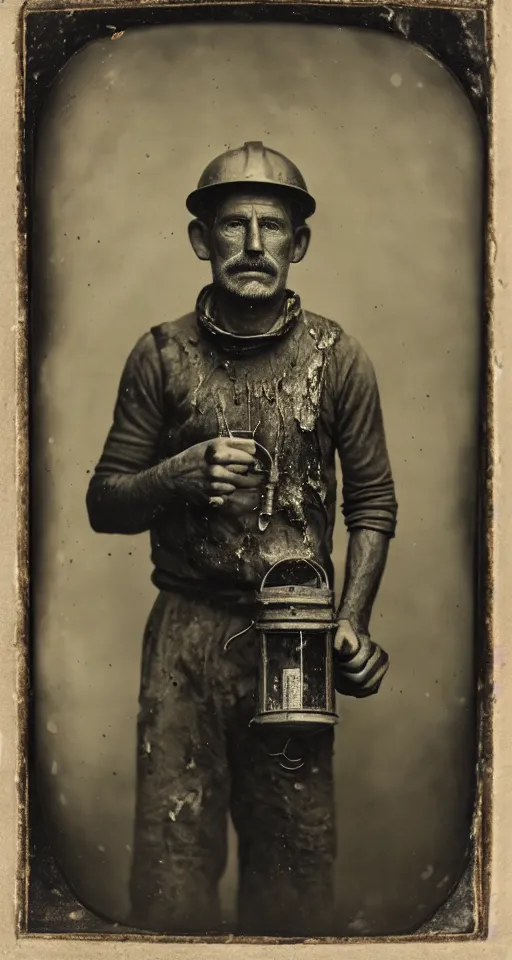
355,659
222,474
228,475
241,443
346,643
226,454
224,488
373,682
231,450
369,687
240,468
375,663
249,481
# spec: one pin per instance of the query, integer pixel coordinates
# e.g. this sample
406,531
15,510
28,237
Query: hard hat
251,164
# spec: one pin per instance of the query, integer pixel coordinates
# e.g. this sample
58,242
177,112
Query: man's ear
301,243
199,236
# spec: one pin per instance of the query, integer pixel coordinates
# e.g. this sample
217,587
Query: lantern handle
267,456
319,570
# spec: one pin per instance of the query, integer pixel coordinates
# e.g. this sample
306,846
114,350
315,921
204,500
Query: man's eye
271,225
234,223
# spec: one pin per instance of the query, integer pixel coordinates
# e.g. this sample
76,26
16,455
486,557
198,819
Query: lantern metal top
288,605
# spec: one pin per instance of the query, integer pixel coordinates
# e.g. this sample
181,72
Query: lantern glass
296,678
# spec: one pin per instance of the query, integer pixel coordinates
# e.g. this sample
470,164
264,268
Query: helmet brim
199,200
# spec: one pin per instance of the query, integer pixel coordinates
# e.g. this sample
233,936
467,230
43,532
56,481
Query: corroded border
32,6
481,833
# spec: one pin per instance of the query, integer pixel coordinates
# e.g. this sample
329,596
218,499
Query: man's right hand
213,469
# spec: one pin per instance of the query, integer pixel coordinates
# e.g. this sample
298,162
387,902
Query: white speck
128,847
298,786
51,440
443,882
64,800
426,875
427,694
193,799
191,765
76,915
147,746
314,769
51,726
420,84
111,76
395,80
101,849
358,923
462,700
55,768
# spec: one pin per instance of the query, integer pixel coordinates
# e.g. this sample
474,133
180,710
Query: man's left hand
359,664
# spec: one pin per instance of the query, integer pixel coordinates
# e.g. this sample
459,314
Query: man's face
251,244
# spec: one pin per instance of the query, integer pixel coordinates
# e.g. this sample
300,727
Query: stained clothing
305,390
197,758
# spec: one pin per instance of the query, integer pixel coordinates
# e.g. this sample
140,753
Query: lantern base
309,721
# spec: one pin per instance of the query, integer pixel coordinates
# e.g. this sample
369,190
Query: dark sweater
307,390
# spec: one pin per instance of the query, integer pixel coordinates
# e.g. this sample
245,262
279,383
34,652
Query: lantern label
292,698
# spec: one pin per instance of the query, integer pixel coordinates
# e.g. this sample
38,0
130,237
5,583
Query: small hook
292,769
239,634
292,760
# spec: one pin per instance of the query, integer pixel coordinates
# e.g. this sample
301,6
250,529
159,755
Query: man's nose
253,238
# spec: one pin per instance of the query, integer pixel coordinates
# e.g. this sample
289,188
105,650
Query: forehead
244,201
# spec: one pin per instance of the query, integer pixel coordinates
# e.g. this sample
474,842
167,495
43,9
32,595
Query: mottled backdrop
391,150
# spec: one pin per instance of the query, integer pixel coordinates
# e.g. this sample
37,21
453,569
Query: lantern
296,622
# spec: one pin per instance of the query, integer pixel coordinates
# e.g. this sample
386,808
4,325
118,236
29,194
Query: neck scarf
238,343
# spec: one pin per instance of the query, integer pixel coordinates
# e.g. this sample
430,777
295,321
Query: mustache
262,265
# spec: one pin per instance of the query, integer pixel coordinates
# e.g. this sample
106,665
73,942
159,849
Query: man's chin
251,288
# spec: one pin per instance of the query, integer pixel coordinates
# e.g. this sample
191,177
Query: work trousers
199,758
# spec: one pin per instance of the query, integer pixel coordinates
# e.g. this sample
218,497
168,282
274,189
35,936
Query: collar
237,343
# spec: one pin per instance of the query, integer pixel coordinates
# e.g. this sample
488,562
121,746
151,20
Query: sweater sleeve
122,497
368,489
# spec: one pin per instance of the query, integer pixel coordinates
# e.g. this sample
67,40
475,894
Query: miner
248,369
